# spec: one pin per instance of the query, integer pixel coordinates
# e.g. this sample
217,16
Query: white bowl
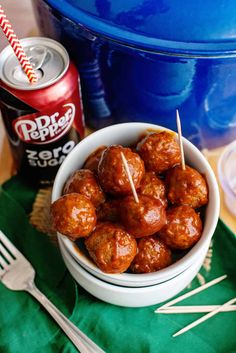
127,134
123,279
129,296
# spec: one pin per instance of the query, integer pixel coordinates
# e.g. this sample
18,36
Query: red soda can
44,121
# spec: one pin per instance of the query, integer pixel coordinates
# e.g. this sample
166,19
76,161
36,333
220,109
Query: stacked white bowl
126,289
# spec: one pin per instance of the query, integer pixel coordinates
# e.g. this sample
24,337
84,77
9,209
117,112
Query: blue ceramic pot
141,60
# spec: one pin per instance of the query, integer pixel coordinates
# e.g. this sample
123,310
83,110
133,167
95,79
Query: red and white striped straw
17,47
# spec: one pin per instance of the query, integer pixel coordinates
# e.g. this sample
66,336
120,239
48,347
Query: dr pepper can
44,120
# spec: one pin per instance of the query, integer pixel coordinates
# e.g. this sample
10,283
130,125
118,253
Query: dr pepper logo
41,129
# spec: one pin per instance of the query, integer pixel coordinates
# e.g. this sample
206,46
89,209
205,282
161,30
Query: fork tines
8,253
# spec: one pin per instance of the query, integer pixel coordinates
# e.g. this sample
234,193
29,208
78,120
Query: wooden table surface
21,16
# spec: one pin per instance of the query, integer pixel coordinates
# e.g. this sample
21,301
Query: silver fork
16,273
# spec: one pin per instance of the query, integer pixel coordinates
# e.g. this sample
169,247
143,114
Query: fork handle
82,342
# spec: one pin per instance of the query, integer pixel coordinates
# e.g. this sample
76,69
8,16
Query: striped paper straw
17,47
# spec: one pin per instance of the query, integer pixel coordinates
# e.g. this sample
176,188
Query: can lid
49,59
192,28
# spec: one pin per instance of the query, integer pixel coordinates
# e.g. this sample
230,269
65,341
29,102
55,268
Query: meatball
109,211
93,159
112,174
111,248
186,187
84,182
160,151
153,255
153,186
73,215
183,228
144,218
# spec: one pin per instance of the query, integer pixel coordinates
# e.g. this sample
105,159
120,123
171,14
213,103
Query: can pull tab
37,56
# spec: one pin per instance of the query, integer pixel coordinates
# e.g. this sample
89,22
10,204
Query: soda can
44,121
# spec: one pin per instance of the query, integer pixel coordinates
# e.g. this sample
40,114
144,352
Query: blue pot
141,60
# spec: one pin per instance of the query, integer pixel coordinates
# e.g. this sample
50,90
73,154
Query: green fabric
26,328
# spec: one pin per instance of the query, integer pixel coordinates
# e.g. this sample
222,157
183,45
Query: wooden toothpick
192,292
129,177
180,140
192,309
205,317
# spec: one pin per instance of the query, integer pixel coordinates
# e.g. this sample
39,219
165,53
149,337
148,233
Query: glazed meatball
109,211
144,218
73,215
183,228
153,255
93,159
186,187
111,248
153,186
84,182
160,151
112,174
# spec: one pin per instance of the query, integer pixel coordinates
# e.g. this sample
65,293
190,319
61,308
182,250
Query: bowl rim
122,289
188,258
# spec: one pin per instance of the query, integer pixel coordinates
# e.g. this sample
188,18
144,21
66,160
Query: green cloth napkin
25,327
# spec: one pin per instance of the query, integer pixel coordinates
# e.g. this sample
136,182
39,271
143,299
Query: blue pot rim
218,49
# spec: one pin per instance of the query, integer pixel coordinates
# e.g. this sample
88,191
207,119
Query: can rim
8,51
